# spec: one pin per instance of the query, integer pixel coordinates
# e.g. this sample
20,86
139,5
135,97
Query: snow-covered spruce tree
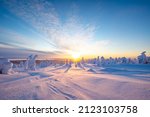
45,63
27,62
142,59
5,66
102,61
30,63
98,61
129,61
94,61
134,61
33,65
148,59
116,60
123,60
110,61
66,62
42,64
21,64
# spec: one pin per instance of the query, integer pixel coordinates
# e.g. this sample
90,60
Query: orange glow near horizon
77,56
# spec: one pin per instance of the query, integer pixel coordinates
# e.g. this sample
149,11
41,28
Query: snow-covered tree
94,61
148,59
5,66
102,60
111,61
98,61
142,59
30,63
21,64
68,63
123,60
45,63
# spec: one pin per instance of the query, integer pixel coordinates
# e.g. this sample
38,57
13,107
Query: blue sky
85,27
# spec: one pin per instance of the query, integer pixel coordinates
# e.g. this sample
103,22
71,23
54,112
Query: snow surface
86,81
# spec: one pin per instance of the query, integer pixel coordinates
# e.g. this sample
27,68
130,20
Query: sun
76,55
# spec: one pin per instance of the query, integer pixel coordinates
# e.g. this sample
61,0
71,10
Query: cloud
70,36
12,51
17,39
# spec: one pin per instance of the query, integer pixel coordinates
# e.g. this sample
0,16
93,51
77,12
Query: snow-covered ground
87,81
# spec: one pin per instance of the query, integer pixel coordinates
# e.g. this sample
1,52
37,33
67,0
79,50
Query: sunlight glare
76,55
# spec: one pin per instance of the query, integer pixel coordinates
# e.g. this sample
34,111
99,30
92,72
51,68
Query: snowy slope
83,82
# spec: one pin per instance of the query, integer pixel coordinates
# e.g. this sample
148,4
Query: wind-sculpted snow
84,81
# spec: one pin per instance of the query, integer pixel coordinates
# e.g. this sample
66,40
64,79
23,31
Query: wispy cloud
17,39
70,36
11,50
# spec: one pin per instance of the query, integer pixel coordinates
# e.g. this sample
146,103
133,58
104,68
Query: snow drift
100,78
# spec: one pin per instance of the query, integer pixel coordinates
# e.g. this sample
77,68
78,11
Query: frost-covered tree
102,61
68,63
98,61
5,66
30,63
94,61
142,59
148,60
111,61
21,64
123,60
45,63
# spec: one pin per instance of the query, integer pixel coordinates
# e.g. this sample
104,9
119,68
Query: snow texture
99,78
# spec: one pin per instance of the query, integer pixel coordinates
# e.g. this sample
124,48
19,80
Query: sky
62,28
